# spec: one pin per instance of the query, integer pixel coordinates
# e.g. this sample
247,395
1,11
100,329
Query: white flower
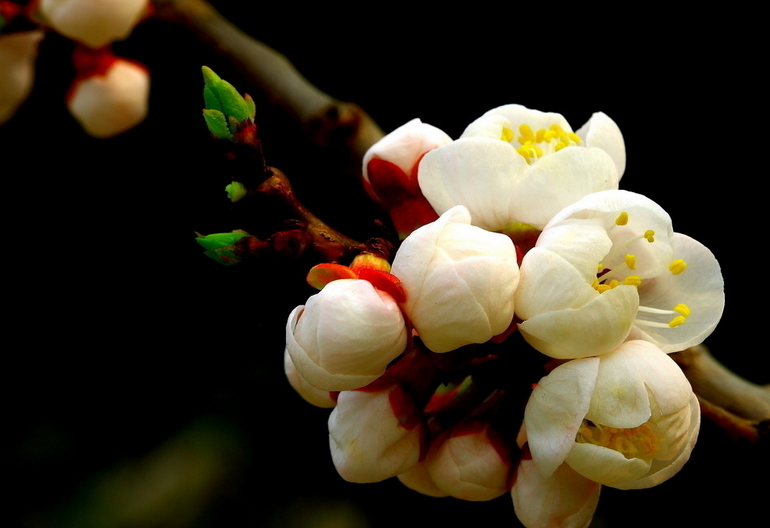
18,52
94,23
516,165
110,102
368,441
610,268
628,419
459,281
345,336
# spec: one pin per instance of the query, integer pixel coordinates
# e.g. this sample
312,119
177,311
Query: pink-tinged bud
390,173
345,336
18,52
418,479
371,442
110,100
459,281
470,462
310,394
94,23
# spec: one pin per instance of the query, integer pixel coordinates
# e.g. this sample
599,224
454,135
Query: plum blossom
516,165
344,336
94,23
610,268
459,281
390,173
369,438
18,52
628,419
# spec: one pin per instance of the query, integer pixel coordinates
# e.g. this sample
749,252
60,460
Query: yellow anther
574,137
683,309
507,135
600,267
540,135
632,280
527,136
631,261
529,150
636,442
622,219
560,145
677,266
649,235
676,321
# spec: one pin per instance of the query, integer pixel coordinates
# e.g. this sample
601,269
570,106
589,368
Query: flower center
620,274
637,442
536,144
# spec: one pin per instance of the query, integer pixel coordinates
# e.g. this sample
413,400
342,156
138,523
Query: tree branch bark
736,404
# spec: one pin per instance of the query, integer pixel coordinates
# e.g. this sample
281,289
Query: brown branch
327,121
736,404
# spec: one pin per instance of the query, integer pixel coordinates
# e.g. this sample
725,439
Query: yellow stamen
527,136
676,321
632,280
635,442
649,235
622,219
683,309
677,266
507,135
631,261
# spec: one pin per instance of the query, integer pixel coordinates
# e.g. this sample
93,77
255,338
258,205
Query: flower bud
459,281
345,336
368,440
111,100
470,462
310,394
94,23
18,52
390,173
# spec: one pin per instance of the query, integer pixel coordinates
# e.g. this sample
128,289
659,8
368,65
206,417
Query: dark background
145,384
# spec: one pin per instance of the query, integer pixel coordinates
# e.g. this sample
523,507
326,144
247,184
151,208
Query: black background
122,335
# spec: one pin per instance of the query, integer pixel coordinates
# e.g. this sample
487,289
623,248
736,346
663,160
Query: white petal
367,442
310,394
518,115
602,132
406,144
564,499
18,52
478,173
605,466
548,283
560,179
418,479
663,470
700,287
595,328
556,409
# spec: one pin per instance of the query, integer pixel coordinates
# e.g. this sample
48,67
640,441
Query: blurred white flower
516,165
345,336
610,268
94,23
109,102
459,281
18,52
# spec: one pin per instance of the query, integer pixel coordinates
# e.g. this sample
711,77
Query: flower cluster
517,342
109,94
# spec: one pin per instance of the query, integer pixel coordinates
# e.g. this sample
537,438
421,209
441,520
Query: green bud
221,246
235,191
225,108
